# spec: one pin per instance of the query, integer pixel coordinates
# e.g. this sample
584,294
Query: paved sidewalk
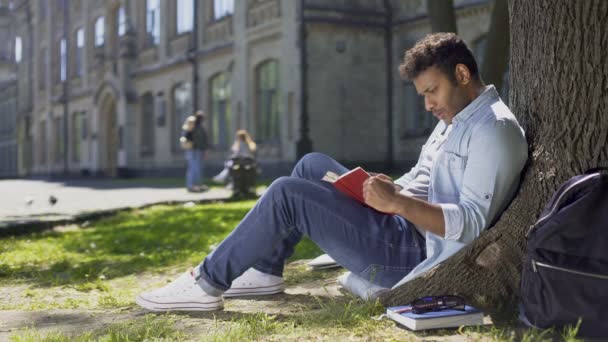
28,201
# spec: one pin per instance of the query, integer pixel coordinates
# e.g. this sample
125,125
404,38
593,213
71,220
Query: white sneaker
183,294
255,283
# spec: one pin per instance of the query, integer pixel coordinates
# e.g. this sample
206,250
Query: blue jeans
195,168
381,248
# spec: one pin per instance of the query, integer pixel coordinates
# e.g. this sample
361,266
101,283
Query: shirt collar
489,96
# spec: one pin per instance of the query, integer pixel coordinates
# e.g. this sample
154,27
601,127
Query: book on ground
435,319
322,261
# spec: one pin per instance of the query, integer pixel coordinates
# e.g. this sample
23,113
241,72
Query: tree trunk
496,53
441,15
559,85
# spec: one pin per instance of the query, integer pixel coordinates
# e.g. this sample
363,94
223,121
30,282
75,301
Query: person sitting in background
194,142
243,147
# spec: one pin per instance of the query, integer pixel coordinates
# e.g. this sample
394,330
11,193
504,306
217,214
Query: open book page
330,177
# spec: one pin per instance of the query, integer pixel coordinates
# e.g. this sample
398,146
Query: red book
350,183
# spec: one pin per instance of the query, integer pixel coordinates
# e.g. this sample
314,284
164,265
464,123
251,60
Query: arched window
182,107
146,146
267,101
221,111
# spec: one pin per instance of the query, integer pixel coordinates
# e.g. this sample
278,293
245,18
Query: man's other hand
379,192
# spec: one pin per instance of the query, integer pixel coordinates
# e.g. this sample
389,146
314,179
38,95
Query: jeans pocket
386,276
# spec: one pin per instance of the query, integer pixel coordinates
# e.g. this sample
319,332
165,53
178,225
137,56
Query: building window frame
79,51
222,9
184,16
18,49
220,121
100,31
267,87
147,104
152,22
121,21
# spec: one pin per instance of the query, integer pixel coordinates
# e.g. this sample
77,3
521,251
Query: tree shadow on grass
128,243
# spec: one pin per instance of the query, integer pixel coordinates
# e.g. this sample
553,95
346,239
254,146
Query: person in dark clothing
195,142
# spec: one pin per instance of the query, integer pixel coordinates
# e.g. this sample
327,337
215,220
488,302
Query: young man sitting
466,175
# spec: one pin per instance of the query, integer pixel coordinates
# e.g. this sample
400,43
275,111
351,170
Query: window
147,125
79,52
78,122
221,113
222,8
153,22
99,31
42,67
417,122
122,21
42,144
185,16
267,101
42,9
62,60
58,137
18,49
182,107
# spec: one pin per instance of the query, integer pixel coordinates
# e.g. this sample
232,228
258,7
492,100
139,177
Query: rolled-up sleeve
497,153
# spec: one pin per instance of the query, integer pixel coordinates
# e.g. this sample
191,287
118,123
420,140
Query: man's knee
311,159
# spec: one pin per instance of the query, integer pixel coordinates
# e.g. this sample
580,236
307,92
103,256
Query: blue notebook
435,319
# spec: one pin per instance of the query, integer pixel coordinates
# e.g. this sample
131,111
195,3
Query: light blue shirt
470,168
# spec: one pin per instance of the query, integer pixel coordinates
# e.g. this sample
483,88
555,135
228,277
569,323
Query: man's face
442,97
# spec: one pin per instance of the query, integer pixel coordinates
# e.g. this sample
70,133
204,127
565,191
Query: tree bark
559,85
441,15
496,54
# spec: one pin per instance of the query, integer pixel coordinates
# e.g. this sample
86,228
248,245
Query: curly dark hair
443,50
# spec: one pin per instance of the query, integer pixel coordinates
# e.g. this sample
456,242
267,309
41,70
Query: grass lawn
92,275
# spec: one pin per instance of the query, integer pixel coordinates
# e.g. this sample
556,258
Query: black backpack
565,273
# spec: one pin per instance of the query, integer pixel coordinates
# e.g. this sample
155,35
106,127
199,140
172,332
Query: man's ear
462,73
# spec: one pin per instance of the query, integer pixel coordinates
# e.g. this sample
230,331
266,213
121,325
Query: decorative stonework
221,30
262,11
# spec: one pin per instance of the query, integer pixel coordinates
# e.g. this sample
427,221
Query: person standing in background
194,141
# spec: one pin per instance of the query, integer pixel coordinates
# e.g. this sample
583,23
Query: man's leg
312,166
381,248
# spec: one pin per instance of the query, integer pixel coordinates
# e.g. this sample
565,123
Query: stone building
102,87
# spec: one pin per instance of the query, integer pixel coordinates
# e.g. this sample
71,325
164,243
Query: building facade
102,87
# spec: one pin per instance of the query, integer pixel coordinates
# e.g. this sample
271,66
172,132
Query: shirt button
487,196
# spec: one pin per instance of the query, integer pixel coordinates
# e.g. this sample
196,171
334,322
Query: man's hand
387,178
380,193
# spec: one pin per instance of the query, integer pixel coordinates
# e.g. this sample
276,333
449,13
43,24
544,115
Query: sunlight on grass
95,267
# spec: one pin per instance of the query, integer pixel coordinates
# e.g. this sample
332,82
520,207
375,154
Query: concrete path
27,201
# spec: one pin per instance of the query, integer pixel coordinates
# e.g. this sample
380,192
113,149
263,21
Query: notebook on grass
435,319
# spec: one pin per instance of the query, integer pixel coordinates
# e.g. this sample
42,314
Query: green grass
148,328
104,265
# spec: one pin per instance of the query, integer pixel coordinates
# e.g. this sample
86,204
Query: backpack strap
600,169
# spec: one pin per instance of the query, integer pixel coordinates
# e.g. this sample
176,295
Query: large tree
559,93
